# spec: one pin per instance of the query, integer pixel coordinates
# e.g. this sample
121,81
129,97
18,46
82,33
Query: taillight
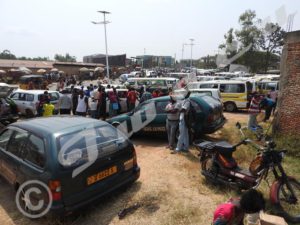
210,118
55,188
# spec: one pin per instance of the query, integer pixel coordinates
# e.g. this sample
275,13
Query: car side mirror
238,125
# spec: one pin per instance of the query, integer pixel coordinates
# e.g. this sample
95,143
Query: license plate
101,175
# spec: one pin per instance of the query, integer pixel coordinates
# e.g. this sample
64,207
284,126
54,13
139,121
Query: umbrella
41,71
101,65
99,69
54,70
84,69
25,70
61,72
2,72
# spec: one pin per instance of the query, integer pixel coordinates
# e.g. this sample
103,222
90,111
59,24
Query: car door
19,99
159,122
10,153
34,158
54,98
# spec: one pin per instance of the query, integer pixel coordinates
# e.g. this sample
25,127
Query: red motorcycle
218,166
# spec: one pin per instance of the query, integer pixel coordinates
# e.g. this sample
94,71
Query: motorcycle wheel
207,165
288,204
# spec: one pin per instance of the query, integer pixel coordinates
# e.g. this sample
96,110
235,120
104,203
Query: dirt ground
170,190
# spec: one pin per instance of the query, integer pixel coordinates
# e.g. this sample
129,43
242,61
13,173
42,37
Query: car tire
230,107
29,113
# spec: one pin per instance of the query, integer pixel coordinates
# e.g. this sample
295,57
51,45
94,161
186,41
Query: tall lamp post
192,44
105,22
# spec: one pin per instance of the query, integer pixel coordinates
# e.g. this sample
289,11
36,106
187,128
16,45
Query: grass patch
290,143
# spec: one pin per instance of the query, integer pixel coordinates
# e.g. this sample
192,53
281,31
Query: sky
44,28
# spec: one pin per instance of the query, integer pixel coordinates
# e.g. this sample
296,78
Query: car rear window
210,100
89,144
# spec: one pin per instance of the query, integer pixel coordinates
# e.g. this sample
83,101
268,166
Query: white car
28,100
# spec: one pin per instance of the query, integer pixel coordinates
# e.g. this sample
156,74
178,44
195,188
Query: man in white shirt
172,122
183,140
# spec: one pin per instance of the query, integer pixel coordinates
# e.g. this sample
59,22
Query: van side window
54,97
29,97
17,142
35,151
4,138
209,86
161,106
232,88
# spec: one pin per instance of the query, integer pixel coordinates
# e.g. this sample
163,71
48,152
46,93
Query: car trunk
101,176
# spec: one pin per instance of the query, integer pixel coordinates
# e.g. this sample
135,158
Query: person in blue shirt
268,104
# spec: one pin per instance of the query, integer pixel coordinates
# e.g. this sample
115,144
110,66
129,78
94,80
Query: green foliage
65,58
230,45
271,41
6,54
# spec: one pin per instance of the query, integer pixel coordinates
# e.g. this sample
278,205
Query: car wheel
230,107
29,113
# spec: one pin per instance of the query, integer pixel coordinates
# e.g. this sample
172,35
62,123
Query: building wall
288,117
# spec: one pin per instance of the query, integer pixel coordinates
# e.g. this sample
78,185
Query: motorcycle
219,166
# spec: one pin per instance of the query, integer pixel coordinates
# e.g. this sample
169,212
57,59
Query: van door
19,99
234,93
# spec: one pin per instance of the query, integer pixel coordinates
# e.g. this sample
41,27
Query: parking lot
169,191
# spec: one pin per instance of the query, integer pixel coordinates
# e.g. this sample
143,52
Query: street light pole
191,39
106,51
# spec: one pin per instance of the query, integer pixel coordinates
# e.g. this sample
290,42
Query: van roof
34,91
218,82
154,78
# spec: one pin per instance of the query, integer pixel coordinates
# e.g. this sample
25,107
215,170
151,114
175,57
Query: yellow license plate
101,175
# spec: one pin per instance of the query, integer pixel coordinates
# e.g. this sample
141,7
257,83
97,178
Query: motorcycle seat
224,148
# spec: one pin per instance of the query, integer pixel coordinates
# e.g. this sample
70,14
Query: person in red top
254,110
232,212
131,99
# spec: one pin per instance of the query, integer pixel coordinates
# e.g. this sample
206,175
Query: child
48,108
93,107
233,212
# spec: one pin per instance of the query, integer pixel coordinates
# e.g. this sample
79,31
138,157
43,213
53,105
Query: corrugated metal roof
25,63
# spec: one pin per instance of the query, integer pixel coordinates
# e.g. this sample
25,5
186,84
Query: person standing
253,111
93,107
273,95
82,106
65,104
74,101
42,100
131,99
48,108
172,110
102,101
145,96
183,140
113,102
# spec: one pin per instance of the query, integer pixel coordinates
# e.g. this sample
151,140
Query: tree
249,33
230,45
271,41
66,58
6,54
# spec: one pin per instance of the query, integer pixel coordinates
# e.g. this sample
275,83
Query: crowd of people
95,101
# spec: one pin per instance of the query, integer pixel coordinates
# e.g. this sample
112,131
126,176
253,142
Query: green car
150,116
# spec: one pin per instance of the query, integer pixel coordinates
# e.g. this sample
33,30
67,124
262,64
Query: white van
235,94
28,100
152,82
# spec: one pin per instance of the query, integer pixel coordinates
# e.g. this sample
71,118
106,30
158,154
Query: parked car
150,116
28,100
78,159
8,108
